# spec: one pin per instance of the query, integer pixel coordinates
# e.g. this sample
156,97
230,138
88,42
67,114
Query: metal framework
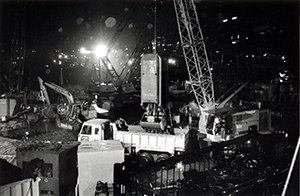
111,70
129,69
120,78
195,53
18,49
115,76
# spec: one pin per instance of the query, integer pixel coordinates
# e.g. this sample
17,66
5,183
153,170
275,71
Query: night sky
263,31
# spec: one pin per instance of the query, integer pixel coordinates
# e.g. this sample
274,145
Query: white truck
150,147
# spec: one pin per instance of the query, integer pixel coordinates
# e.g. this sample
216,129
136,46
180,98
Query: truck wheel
162,157
145,159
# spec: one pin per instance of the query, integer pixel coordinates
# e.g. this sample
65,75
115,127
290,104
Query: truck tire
162,157
145,159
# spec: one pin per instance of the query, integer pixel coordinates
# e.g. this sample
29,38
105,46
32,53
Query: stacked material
8,150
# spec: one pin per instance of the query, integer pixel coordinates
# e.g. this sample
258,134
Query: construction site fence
164,178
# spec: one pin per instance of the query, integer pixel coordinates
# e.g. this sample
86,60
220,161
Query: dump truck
149,147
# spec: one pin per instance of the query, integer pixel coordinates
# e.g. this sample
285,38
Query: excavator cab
210,124
218,127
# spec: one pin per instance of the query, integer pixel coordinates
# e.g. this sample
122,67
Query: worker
101,188
223,129
46,122
121,124
220,129
191,141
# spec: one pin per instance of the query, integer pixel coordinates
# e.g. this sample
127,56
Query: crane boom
200,75
195,53
111,70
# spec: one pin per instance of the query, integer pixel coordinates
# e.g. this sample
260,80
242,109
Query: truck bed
141,140
139,129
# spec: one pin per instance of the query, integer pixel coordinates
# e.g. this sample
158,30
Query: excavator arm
43,91
57,89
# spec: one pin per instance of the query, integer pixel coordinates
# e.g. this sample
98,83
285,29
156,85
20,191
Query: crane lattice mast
195,52
18,49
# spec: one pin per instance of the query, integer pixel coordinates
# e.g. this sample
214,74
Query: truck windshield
87,129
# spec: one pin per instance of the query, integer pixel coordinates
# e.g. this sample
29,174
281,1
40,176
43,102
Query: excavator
69,114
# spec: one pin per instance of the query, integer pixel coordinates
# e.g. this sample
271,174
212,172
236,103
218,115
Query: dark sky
75,24
69,25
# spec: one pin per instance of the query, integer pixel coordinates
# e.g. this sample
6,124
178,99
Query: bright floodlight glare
101,51
82,50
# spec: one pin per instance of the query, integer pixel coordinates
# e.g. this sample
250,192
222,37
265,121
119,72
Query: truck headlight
150,119
238,126
84,138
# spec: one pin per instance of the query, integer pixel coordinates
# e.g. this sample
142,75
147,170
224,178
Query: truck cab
96,130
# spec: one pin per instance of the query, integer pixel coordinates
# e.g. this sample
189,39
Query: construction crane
13,107
201,80
18,49
115,76
195,54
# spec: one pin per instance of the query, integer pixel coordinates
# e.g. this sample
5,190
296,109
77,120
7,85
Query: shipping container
96,161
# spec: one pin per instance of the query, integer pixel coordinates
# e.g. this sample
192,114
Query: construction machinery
55,87
12,115
18,50
117,80
199,71
158,118
154,118
228,123
63,109
13,103
70,115
196,59
148,147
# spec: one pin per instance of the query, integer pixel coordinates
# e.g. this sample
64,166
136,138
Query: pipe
291,168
